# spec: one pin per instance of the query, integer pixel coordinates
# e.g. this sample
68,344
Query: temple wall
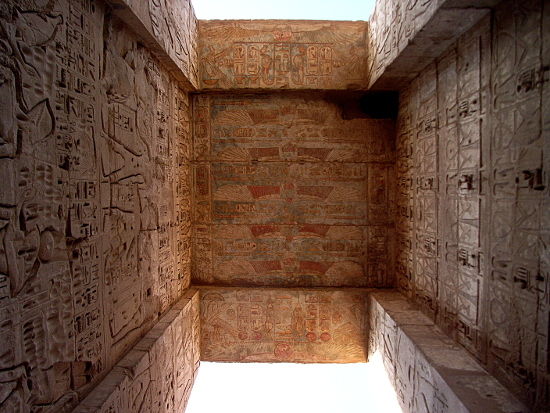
287,193
288,204
94,198
472,175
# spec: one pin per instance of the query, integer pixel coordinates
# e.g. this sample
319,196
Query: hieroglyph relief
443,119
50,213
300,326
518,256
282,54
174,25
159,372
423,364
288,193
94,198
392,25
472,176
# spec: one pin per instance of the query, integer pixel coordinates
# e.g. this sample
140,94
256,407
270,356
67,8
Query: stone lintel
283,325
426,367
447,23
282,54
150,30
162,365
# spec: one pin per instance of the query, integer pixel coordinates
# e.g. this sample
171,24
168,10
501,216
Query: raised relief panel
269,325
157,374
175,25
121,212
182,177
169,30
426,363
391,26
186,357
275,54
405,180
425,188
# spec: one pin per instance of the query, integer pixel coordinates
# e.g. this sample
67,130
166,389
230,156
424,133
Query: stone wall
94,198
288,193
472,167
283,325
290,190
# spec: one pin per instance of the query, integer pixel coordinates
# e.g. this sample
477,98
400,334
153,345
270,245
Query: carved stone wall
157,375
94,198
97,168
287,193
429,372
472,176
392,24
168,28
283,325
406,35
279,54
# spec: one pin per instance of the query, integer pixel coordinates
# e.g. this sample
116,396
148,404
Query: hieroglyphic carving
158,373
406,36
471,128
423,363
404,199
477,209
264,325
280,191
95,209
169,31
435,174
425,187
282,54
121,179
182,177
88,172
49,201
518,186
174,25
392,24
448,176
202,198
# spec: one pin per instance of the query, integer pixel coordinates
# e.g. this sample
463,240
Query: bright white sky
293,388
282,387
283,9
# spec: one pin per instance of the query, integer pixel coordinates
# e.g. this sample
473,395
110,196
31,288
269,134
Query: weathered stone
92,139
118,189
478,181
431,372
